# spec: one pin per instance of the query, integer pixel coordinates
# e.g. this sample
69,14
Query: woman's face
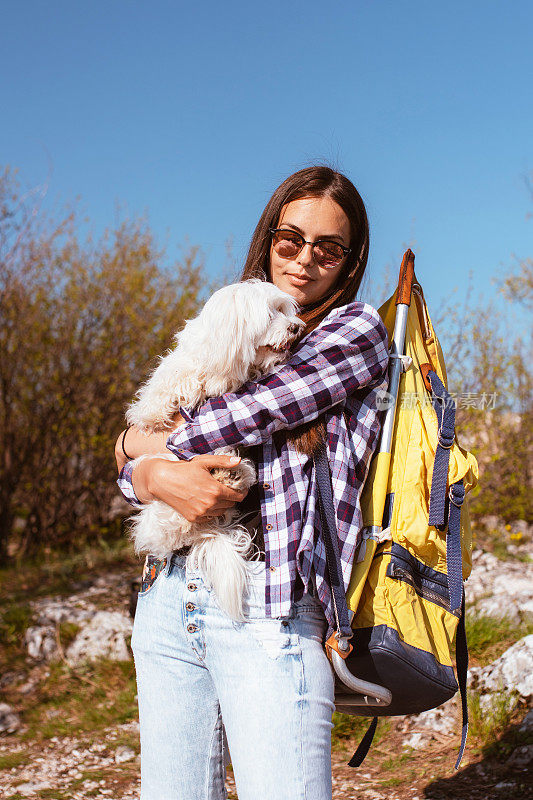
314,218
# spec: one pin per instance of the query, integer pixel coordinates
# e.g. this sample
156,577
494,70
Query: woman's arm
187,486
137,443
346,352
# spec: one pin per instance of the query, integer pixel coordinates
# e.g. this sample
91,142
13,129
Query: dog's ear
233,319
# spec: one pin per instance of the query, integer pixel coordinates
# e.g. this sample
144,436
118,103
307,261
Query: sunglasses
327,254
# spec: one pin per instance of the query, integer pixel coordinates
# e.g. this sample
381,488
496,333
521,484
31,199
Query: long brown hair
316,181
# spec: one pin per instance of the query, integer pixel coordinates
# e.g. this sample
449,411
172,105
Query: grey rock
33,787
123,754
40,641
104,636
522,757
499,588
435,723
491,522
416,740
522,527
527,722
9,719
511,672
55,610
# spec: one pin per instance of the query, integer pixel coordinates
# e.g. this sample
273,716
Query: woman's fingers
209,460
189,487
223,492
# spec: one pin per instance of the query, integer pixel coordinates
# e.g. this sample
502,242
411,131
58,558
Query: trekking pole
368,694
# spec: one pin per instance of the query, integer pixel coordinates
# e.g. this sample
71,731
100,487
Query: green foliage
67,633
14,621
396,760
488,637
12,760
68,704
507,476
487,723
81,323
346,726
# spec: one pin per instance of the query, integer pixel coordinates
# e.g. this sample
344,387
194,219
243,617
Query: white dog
244,331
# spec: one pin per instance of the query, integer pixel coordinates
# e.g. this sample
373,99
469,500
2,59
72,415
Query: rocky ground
69,725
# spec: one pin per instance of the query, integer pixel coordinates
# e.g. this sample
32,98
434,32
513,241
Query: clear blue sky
195,112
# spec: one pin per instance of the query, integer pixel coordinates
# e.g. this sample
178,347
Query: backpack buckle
456,494
443,438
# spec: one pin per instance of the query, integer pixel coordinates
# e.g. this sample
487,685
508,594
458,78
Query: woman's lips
297,280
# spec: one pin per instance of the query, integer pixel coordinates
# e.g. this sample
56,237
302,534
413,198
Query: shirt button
191,587
266,486
272,569
192,628
269,527
190,606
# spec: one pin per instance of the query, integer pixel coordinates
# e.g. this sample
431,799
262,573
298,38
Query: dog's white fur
244,331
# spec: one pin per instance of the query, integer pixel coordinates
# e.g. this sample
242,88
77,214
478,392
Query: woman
268,678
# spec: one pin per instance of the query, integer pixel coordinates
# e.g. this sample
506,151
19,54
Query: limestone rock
511,672
499,588
40,641
104,636
123,754
9,719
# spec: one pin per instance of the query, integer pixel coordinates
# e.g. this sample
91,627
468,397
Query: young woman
267,680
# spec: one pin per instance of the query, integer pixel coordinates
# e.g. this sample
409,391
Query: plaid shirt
335,371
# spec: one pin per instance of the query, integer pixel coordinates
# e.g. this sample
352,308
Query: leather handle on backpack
424,369
407,276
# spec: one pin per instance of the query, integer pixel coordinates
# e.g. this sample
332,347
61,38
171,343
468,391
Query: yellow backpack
405,598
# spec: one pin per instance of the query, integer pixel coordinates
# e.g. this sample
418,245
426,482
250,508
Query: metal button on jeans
190,606
192,628
191,587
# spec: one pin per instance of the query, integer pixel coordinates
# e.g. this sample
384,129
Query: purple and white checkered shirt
336,370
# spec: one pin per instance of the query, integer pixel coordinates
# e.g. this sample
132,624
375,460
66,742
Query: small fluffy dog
244,331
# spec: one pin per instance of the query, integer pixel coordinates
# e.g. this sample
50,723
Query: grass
11,760
347,727
488,637
14,622
488,723
56,573
396,761
67,633
68,704
93,697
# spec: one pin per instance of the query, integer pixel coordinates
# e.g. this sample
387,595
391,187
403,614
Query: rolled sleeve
125,484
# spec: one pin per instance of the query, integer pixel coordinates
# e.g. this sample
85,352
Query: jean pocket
153,567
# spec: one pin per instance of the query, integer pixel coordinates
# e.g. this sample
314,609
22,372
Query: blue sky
194,113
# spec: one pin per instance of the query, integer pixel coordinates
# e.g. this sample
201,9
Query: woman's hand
187,486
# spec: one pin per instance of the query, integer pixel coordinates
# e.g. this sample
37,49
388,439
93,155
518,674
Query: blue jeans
264,683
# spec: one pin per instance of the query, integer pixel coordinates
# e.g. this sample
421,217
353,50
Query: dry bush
81,322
